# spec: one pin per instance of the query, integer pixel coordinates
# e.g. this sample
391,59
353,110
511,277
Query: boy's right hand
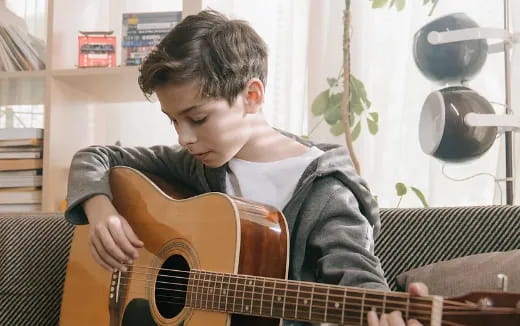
112,242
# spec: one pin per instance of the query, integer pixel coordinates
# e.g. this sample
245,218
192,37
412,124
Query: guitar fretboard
304,301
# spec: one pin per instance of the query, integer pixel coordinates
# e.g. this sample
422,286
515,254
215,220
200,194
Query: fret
241,293
311,301
343,306
205,288
384,303
362,316
235,293
291,299
262,297
319,302
214,291
227,281
284,298
279,297
255,297
296,302
248,299
197,289
304,301
268,298
336,305
189,296
326,304
219,307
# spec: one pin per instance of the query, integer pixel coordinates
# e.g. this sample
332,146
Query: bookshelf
75,100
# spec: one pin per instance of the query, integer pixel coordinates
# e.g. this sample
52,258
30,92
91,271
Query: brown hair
219,54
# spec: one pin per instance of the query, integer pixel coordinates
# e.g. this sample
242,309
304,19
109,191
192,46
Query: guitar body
212,232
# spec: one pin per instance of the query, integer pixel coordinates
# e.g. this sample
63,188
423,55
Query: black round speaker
449,62
442,130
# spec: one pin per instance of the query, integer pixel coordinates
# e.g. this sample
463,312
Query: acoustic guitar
215,260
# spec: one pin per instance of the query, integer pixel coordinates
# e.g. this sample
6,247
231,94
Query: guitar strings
244,291
242,296
287,312
448,304
275,280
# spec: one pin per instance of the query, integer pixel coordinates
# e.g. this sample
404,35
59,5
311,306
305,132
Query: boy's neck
268,145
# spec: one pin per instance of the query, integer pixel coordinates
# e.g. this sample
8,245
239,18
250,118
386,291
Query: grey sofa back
34,251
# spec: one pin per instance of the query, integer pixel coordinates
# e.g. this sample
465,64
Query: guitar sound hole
171,286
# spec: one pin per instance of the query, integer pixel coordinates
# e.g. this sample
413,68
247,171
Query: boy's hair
219,54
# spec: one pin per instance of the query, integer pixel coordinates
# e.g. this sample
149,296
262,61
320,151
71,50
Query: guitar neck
304,301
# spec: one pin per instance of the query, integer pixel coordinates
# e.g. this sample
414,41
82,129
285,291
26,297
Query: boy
209,75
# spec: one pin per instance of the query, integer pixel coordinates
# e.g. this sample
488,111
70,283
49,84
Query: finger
105,256
98,259
413,322
130,234
396,319
115,227
109,244
372,318
418,289
384,320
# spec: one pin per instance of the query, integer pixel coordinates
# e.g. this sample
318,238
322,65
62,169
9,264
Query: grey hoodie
332,216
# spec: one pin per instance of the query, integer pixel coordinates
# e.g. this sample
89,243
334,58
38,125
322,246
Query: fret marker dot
247,308
111,296
336,305
224,292
305,301
210,291
279,298
250,282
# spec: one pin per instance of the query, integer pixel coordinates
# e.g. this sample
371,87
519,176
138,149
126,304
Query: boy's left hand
395,318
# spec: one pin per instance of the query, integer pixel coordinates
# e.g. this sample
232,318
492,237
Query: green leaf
420,195
320,103
358,91
332,82
338,128
372,126
379,3
400,188
332,114
335,99
374,116
356,106
356,131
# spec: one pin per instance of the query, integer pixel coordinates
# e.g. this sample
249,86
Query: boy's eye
199,120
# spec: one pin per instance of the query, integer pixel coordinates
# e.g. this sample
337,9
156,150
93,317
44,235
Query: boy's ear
254,95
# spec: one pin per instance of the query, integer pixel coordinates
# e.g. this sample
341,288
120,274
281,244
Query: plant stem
399,202
345,99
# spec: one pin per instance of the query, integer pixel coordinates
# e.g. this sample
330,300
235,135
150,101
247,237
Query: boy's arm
89,169
341,243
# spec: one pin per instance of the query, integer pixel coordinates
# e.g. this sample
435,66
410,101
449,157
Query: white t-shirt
271,183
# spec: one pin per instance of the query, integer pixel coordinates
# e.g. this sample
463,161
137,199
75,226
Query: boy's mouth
201,156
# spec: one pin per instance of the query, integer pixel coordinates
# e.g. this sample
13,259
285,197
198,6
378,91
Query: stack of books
143,31
20,169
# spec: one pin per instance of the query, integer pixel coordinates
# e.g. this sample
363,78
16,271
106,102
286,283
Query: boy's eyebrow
193,107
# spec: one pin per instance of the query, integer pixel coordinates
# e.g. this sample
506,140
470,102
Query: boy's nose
186,136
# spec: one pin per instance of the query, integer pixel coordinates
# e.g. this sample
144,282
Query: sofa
34,251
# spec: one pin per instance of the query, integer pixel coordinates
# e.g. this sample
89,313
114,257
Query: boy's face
210,129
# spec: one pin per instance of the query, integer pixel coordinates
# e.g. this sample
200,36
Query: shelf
22,74
118,84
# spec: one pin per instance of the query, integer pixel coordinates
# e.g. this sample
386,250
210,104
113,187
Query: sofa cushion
34,250
467,274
